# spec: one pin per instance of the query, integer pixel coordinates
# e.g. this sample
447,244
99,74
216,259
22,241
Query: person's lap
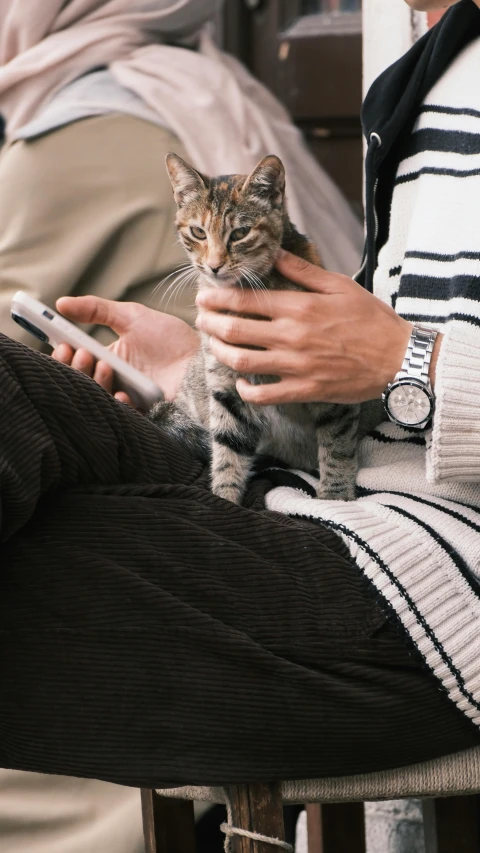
152,632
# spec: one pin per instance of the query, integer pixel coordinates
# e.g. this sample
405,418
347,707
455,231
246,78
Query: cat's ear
187,183
267,181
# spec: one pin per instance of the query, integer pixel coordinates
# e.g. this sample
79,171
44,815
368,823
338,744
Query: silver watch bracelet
419,353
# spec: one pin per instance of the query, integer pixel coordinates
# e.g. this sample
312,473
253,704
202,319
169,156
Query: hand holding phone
49,326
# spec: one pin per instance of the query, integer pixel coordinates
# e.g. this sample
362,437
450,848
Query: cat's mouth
242,279
223,279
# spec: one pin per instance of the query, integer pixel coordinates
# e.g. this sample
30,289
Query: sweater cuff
453,452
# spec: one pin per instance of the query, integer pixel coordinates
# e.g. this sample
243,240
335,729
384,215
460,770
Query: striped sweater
414,529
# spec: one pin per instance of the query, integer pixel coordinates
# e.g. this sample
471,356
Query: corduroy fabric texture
152,633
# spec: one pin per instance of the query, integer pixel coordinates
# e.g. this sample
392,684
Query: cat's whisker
188,281
166,297
173,290
176,271
246,279
250,281
178,280
159,289
238,278
244,272
179,271
258,280
254,281
249,275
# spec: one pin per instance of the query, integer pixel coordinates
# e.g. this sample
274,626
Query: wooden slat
168,824
258,808
429,826
336,828
344,828
314,828
454,826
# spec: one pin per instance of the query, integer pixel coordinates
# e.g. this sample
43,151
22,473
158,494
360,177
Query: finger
63,353
308,275
84,361
263,304
96,310
236,330
288,390
124,398
251,361
103,374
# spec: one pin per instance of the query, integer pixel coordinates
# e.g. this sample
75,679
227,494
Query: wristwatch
409,400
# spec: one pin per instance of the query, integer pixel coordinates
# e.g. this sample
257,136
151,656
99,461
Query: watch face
409,404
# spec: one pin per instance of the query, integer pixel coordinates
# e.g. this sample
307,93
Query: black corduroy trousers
153,633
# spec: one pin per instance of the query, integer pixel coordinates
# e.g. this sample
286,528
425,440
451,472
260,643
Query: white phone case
44,323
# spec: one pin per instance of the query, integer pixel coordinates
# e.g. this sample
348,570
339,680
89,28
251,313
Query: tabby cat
232,227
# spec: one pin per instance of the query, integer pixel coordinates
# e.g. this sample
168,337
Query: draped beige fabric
225,119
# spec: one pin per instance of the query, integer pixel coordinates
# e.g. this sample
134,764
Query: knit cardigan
414,529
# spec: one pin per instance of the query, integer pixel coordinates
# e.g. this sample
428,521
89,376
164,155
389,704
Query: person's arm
339,343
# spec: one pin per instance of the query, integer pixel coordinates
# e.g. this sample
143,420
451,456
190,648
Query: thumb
302,272
96,310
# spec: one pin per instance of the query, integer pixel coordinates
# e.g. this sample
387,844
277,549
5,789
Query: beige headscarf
225,119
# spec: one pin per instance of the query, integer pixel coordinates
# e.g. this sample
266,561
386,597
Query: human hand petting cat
157,344
336,343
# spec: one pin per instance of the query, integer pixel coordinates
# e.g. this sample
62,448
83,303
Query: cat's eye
239,233
197,232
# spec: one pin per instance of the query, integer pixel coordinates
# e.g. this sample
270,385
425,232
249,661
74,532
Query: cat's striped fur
232,227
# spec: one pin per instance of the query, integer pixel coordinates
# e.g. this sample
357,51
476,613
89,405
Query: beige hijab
225,119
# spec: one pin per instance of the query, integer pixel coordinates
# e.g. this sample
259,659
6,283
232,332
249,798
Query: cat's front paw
343,492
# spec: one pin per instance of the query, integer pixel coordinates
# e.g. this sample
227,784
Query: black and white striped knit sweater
415,528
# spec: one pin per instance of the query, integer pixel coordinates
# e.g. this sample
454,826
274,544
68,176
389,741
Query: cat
232,227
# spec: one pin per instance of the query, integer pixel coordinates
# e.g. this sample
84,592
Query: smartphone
48,326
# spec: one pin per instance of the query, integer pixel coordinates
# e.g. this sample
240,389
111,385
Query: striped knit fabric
415,527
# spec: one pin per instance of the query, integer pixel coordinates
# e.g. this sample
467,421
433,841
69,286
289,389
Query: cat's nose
215,269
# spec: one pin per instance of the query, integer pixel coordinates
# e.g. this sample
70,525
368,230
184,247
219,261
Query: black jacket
389,113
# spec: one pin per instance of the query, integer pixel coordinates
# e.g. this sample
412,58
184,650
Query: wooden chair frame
450,823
